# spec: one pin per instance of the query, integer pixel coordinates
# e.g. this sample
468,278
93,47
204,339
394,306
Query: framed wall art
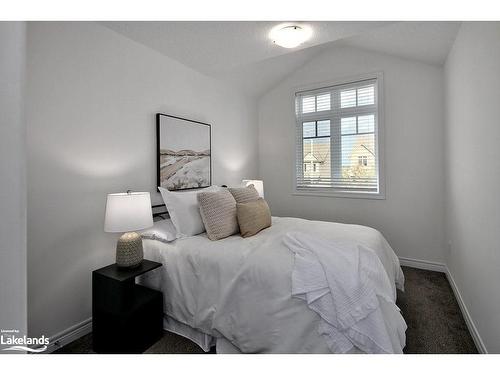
183,153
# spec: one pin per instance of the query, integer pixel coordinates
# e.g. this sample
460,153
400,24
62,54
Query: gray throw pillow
245,194
218,212
253,217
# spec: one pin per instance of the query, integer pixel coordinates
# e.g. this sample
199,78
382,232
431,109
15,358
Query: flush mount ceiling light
290,35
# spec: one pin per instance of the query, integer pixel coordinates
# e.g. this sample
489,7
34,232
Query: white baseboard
465,312
441,267
69,335
422,264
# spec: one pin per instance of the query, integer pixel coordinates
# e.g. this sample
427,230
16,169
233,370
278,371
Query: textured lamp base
129,253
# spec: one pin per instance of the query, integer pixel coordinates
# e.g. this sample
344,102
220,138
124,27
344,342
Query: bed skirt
201,339
204,341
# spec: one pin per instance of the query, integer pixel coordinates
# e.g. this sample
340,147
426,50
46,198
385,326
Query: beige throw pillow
244,194
218,212
253,217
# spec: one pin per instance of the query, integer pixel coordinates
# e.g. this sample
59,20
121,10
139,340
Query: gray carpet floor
435,322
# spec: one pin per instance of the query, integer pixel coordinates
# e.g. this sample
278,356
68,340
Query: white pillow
184,211
163,231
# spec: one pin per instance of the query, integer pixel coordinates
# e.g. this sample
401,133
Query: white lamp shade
258,184
127,212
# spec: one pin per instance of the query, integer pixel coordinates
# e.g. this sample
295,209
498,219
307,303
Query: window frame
317,88
316,136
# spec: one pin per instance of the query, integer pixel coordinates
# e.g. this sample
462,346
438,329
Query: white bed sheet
238,290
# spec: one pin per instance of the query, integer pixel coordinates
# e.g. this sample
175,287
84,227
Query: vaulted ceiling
242,54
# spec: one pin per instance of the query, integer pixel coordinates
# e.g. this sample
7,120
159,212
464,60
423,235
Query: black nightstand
126,317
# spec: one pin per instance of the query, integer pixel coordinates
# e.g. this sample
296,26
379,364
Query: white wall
472,76
91,99
13,177
412,215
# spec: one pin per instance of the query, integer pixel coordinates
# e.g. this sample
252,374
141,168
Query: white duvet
240,290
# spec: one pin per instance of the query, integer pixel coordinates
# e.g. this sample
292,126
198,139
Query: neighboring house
317,159
360,158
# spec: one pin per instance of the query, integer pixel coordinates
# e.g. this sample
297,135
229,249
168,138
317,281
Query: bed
235,293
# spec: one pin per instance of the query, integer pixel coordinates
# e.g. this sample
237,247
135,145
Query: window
338,140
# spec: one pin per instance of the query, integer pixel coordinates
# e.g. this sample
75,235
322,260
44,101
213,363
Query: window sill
339,194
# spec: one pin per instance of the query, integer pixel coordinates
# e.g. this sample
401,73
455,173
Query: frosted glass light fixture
128,212
290,35
258,184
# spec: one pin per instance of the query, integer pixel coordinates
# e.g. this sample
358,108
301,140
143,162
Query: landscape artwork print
183,153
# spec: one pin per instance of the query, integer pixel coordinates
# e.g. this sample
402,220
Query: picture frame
183,153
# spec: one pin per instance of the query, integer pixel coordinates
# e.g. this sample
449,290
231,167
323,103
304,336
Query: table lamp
128,212
258,185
